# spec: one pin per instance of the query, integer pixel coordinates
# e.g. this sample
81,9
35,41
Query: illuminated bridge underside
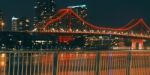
121,34
75,63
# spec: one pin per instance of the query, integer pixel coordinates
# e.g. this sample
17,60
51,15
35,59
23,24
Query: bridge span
67,22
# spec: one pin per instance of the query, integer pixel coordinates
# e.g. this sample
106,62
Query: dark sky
100,12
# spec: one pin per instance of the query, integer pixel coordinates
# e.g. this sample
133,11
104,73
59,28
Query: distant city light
82,6
14,18
3,24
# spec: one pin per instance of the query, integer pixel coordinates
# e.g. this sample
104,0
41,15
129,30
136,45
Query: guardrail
123,62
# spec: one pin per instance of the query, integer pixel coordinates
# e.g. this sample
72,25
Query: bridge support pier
133,46
137,44
141,44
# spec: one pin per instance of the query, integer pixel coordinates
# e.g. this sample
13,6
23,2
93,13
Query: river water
122,62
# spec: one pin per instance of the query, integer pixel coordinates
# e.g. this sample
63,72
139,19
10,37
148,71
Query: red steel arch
64,12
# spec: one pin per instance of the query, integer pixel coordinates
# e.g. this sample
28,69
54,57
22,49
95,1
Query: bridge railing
135,62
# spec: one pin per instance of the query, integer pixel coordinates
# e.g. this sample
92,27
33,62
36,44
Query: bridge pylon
137,44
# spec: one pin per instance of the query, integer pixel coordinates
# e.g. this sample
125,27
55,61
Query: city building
44,9
1,14
14,24
21,24
81,10
24,24
2,22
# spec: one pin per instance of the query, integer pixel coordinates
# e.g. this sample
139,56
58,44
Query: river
119,62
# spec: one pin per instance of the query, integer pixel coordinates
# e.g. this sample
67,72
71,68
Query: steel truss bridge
66,21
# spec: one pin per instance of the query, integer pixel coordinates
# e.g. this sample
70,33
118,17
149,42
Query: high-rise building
24,24
44,9
1,14
2,22
21,24
81,10
14,24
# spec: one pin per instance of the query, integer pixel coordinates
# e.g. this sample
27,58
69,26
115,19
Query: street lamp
2,24
20,44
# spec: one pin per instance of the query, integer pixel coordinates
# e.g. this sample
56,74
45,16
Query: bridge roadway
53,34
118,62
119,34
91,33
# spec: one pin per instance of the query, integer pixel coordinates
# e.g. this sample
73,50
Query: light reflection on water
75,63
26,64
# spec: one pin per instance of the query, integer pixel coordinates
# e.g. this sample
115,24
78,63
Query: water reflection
2,63
75,63
26,64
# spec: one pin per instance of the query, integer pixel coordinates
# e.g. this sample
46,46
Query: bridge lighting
77,30
103,31
70,30
61,29
125,33
52,29
56,30
132,32
84,30
100,37
115,32
40,41
46,30
98,31
116,38
92,31
109,31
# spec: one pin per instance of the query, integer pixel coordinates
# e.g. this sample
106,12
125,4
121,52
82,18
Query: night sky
100,12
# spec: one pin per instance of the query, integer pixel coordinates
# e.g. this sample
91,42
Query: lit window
35,7
27,20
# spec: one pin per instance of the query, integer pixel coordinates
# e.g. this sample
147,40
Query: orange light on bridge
65,39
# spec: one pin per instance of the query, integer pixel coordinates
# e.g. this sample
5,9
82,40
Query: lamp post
20,44
2,24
